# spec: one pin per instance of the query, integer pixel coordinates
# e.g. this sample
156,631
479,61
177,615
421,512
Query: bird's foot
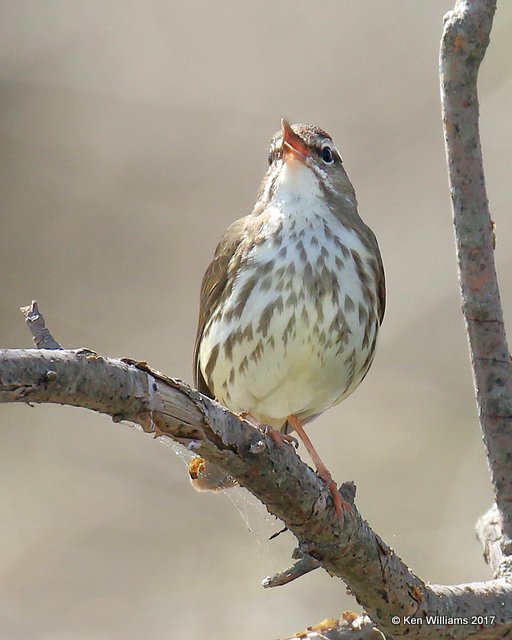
280,438
340,504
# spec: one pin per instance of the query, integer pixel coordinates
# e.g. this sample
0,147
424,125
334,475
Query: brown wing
214,285
379,274
381,288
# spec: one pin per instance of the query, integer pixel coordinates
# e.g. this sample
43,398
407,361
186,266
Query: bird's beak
293,145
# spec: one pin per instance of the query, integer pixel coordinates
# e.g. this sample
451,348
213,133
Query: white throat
296,182
297,197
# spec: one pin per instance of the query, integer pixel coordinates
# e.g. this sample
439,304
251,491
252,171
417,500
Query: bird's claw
280,438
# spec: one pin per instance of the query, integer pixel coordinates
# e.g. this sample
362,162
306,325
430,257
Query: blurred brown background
132,133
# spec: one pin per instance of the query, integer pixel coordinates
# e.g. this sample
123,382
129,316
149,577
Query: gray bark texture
465,40
396,602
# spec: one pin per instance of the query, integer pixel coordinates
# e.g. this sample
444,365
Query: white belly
302,341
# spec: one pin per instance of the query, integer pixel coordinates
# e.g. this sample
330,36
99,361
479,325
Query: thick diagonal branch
349,549
465,39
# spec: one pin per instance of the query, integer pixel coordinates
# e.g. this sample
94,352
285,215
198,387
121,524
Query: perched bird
292,302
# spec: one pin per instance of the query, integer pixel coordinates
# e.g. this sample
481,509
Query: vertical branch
465,40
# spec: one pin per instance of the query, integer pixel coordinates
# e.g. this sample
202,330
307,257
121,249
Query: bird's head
302,154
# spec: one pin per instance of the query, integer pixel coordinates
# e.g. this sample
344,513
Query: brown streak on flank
327,231
320,263
335,291
366,338
280,272
364,368
291,300
279,286
338,244
343,335
247,333
265,268
210,366
351,364
327,280
309,280
267,314
302,252
241,302
228,346
243,365
349,304
257,351
289,328
290,270
337,323
237,337
319,308
266,284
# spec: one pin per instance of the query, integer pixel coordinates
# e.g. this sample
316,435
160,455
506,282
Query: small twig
306,563
41,336
300,568
278,533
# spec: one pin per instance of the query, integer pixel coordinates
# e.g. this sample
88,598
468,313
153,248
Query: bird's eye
270,157
327,155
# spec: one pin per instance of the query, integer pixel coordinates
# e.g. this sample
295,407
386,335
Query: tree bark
465,40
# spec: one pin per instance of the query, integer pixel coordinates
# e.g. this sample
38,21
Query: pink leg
278,437
323,472
281,438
